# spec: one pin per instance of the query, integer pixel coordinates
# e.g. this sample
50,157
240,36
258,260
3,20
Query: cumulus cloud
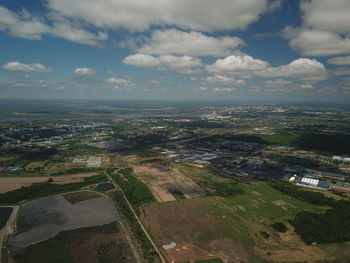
25,25
203,88
120,81
18,66
138,15
224,80
302,68
325,30
327,15
184,64
277,83
316,42
181,64
85,71
305,86
236,63
142,60
176,42
244,65
223,89
341,61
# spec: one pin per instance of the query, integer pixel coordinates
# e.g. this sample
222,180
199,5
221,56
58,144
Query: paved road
135,215
9,228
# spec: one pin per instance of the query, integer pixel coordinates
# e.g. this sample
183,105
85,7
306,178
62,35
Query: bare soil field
182,222
79,196
13,183
160,180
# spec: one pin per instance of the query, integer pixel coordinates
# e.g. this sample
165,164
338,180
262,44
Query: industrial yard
162,181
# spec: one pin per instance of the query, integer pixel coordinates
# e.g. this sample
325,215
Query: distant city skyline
240,50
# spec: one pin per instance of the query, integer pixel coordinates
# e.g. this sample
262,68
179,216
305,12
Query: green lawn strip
136,191
148,251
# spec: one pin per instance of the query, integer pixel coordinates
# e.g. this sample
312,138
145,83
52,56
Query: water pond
5,213
104,187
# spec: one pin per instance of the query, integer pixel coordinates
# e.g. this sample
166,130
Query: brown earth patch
13,183
76,197
161,179
195,229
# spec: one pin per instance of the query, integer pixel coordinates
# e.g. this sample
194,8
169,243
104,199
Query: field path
138,220
8,229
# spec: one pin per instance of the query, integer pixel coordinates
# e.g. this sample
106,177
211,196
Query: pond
104,187
45,217
5,213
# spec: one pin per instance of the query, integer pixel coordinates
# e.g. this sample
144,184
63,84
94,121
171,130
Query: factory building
313,183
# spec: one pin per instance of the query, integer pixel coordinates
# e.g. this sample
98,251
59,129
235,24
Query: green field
254,215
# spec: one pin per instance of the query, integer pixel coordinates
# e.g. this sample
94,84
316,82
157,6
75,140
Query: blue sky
268,50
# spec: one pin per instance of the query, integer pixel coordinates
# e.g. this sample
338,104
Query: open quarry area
162,181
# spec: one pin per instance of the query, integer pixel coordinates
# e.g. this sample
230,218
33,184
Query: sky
256,50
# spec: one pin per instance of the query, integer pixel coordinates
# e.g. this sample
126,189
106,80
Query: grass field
239,226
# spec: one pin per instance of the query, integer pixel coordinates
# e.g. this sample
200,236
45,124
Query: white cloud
18,66
236,63
201,88
305,86
183,64
277,83
325,30
139,15
244,65
302,68
224,80
28,26
111,72
192,43
333,16
23,25
125,82
273,6
224,89
142,60
315,42
341,71
339,60
85,71
155,82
